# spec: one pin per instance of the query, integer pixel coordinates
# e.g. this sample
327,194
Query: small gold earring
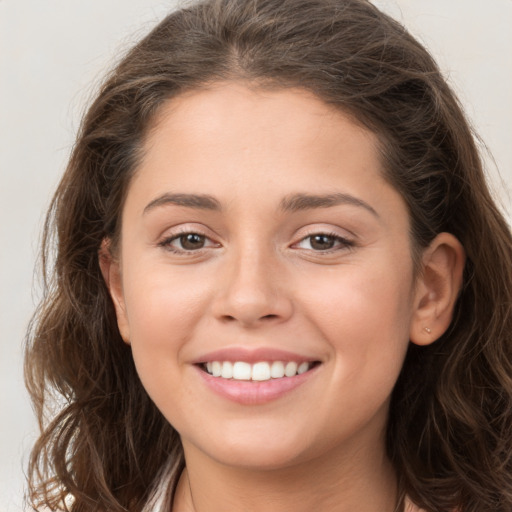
428,330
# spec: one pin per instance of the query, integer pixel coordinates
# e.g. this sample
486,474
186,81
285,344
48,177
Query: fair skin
259,228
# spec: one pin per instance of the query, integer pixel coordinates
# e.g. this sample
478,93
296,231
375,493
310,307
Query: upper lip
254,355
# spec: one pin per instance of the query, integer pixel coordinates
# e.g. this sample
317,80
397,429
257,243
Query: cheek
161,298
364,315
163,311
365,321
363,299
162,322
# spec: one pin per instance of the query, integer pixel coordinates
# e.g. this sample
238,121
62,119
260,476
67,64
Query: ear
111,270
437,289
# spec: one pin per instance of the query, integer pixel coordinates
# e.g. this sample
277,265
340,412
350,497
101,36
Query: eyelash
342,243
167,242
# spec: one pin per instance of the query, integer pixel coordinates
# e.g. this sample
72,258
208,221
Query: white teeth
241,371
290,369
303,367
260,371
227,370
216,369
277,370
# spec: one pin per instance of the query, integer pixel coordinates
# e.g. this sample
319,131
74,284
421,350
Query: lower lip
255,392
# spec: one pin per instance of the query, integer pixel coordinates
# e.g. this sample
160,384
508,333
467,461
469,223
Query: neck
341,482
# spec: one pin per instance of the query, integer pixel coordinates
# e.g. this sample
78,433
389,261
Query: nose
252,291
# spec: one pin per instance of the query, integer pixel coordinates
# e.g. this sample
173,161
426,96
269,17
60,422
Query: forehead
217,106
232,123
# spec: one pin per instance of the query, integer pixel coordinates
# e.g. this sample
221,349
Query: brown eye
322,242
188,243
192,241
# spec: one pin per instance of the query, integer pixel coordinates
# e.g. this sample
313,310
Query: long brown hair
450,429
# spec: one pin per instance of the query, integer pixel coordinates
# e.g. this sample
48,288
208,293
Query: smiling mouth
257,372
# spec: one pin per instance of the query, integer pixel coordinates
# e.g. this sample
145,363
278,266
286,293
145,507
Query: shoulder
411,507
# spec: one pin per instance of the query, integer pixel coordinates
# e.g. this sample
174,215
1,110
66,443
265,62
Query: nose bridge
252,290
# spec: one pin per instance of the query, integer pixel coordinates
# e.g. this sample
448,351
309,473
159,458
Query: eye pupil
322,242
192,241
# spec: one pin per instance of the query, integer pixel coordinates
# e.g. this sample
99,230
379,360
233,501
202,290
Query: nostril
251,308
266,318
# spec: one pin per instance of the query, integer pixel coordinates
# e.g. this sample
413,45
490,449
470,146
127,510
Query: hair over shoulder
103,441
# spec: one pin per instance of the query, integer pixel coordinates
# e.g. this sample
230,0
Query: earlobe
111,271
437,289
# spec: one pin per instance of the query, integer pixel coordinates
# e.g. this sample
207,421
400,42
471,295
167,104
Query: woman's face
260,241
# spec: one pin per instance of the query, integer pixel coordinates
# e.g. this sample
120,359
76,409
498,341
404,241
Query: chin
258,459
254,449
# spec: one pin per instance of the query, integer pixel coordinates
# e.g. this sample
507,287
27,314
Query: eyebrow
200,201
298,202
293,203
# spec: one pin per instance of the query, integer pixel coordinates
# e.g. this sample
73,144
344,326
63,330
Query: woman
281,282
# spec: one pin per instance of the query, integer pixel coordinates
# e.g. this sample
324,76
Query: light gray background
52,55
